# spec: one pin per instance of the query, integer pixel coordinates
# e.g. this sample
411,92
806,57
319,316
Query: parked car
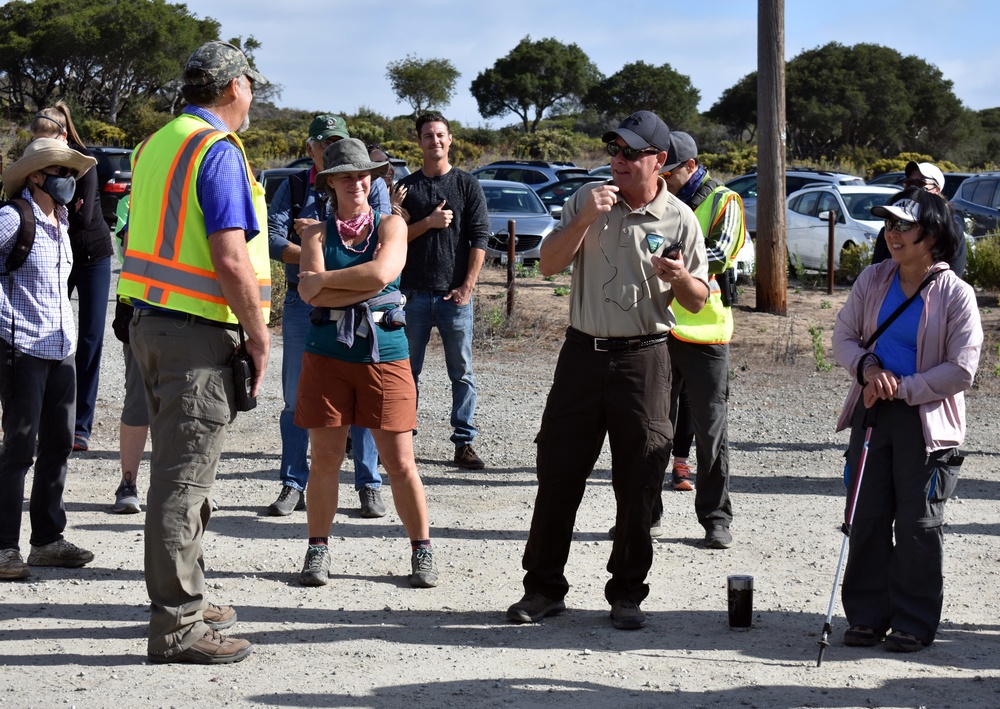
795,179
534,173
977,203
951,181
554,196
532,222
114,178
272,178
602,171
807,218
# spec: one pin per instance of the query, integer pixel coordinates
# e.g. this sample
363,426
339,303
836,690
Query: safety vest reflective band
168,261
713,324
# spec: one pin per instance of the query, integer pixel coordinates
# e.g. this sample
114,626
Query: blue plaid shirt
37,293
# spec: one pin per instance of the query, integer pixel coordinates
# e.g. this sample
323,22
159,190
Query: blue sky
331,55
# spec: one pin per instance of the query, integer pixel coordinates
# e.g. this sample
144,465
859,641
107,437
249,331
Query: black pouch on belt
244,373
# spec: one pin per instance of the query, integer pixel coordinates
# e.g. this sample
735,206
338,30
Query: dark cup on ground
740,590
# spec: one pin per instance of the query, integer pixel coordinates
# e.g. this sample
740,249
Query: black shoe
466,458
533,607
718,537
862,636
288,501
898,641
625,615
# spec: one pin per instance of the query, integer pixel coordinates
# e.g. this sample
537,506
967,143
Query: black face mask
60,189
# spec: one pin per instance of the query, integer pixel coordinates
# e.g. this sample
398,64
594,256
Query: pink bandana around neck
354,227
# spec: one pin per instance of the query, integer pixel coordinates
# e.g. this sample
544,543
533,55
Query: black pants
903,490
621,395
39,406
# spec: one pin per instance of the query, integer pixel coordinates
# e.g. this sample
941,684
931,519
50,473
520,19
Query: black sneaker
533,607
371,502
126,499
625,615
718,537
288,501
466,458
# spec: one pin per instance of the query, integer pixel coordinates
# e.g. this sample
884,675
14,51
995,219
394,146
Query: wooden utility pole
772,261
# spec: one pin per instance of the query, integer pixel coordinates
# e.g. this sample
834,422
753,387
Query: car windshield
557,194
859,204
513,200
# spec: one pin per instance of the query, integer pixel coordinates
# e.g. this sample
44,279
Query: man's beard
245,124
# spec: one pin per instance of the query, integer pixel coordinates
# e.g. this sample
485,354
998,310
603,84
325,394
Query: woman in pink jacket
914,376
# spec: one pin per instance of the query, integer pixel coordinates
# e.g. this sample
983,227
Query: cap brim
632,140
889,211
257,77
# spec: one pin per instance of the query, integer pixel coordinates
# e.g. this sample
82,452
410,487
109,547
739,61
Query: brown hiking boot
466,458
219,617
212,649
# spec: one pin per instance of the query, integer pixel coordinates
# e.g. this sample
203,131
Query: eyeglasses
899,225
630,154
60,171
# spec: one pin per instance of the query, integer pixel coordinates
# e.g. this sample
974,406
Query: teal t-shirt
322,339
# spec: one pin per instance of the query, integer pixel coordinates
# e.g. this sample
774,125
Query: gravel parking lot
76,637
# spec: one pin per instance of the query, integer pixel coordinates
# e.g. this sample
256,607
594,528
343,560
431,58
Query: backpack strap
25,235
297,192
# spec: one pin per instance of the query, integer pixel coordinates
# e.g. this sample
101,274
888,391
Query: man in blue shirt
295,206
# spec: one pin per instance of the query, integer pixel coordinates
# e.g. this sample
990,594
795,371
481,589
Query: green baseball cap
327,125
218,61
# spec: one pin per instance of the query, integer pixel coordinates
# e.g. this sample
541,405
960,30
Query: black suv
114,178
977,201
534,173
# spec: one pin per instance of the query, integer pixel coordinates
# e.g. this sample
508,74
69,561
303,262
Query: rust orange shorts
337,393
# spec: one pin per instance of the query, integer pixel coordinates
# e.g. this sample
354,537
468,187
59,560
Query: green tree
422,83
532,78
736,109
641,86
102,52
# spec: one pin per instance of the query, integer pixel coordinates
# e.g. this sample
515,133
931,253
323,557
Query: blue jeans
425,310
294,440
92,282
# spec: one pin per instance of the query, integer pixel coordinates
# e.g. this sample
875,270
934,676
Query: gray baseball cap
682,149
218,61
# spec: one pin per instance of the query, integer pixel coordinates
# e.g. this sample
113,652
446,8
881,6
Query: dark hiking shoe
533,607
12,566
466,458
625,615
423,572
371,502
60,553
718,537
219,617
898,641
288,501
316,569
862,636
211,649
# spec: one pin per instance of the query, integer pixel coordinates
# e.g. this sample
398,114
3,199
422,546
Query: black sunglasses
899,225
630,154
60,171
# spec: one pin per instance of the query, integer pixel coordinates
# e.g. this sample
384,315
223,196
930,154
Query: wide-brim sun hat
40,154
350,155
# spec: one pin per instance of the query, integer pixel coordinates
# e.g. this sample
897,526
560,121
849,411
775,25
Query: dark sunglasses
899,225
630,154
60,171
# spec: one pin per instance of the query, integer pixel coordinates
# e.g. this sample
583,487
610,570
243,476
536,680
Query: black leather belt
294,287
615,344
186,317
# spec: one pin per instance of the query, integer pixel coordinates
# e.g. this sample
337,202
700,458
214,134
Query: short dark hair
432,117
936,220
207,95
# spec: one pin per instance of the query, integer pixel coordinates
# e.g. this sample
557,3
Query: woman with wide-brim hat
356,367
37,369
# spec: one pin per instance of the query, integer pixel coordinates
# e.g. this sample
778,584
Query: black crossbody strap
899,311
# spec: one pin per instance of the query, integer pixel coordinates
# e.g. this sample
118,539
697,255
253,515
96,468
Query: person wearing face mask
37,366
90,239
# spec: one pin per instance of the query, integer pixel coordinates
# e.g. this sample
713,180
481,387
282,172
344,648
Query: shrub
854,261
102,133
983,267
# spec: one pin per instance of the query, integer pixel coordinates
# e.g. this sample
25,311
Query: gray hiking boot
371,502
288,501
12,566
424,574
316,569
60,553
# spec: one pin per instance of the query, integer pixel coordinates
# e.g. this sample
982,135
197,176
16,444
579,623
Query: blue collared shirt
44,324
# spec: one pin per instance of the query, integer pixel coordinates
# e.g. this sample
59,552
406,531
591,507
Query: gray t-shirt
438,260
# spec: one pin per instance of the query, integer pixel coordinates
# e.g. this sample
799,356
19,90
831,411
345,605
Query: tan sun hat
40,154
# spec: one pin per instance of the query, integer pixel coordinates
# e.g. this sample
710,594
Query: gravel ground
76,637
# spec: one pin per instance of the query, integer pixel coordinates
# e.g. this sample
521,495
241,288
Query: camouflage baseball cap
218,61
326,126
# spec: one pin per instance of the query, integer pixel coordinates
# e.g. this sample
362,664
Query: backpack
25,235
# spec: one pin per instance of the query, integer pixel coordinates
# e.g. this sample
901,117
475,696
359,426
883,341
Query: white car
807,216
